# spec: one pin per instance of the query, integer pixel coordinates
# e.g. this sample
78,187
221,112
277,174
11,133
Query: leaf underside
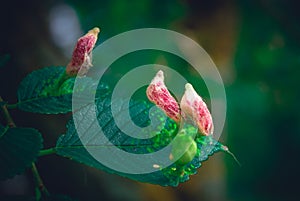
19,147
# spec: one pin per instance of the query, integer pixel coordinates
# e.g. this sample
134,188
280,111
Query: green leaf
69,145
49,91
19,147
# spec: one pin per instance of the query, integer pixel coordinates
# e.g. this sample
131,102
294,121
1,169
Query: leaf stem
12,106
7,116
39,182
49,151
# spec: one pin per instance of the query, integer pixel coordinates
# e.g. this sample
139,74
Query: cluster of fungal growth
82,54
191,105
158,93
184,147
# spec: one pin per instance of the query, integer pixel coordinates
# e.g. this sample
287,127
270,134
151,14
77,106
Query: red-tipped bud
158,93
81,58
192,105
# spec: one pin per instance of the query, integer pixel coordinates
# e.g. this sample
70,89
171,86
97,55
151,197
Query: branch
39,182
6,114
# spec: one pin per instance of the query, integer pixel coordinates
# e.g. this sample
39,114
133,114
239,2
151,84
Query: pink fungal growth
192,105
158,93
81,58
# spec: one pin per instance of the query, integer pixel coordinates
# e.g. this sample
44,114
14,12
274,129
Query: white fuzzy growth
191,94
189,97
194,107
159,77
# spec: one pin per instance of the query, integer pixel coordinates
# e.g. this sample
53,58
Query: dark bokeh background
256,46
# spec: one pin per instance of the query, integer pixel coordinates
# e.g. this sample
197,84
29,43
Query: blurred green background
256,47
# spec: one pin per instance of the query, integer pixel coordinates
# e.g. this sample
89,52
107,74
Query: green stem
12,106
7,116
39,182
49,151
